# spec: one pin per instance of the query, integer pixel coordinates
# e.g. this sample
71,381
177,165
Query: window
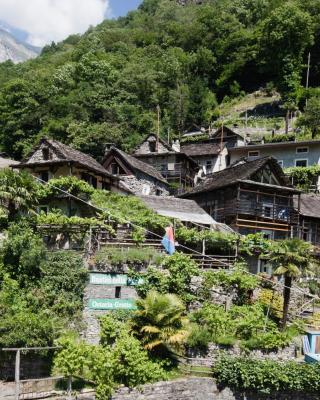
300,150
118,292
266,234
152,147
301,162
264,267
146,189
280,162
267,211
114,169
44,176
46,153
171,167
255,153
158,192
208,166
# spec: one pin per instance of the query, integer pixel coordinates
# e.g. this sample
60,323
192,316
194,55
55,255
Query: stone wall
197,389
140,182
32,365
208,357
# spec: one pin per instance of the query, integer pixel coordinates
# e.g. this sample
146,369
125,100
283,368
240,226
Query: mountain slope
12,49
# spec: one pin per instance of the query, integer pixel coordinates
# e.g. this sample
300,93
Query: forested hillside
105,86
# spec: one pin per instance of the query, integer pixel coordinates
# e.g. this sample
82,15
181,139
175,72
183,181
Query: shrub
116,255
199,337
268,376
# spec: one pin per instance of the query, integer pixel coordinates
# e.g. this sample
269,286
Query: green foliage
216,242
304,177
159,321
237,280
268,376
279,138
125,363
129,208
268,341
22,253
254,244
175,277
18,192
135,255
311,117
95,88
57,218
69,184
40,291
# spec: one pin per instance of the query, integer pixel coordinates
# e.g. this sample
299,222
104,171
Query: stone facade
198,389
142,184
94,291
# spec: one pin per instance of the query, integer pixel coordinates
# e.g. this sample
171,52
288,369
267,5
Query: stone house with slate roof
175,166
140,177
52,159
250,196
209,156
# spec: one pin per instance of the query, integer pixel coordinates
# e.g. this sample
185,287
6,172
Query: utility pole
158,129
308,74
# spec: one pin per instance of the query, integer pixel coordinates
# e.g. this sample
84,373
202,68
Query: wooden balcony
250,210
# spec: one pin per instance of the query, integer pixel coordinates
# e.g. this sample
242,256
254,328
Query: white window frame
302,152
301,159
254,151
280,162
261,265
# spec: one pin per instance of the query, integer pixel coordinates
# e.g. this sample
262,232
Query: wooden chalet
309,209
140,177
250,196
175,166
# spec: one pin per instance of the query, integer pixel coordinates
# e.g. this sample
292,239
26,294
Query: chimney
176,146
108,147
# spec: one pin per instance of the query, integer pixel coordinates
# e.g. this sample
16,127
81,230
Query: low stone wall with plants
214,351
199,389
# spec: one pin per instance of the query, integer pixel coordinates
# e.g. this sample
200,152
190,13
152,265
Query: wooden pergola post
17,375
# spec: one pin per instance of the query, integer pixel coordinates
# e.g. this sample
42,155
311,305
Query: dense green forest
105,86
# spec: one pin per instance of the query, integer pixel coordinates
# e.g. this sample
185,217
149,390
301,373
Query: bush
268,376
116,255
199,337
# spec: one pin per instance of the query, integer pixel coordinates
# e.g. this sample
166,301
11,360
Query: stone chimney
176,146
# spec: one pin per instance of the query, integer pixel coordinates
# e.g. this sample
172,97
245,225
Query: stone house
175,166
250,196
52,159
139,177
209,156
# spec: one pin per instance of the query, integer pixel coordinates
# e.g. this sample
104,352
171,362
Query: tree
291,258
159,321
18,192
311,117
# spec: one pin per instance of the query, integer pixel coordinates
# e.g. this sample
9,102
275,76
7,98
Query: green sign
112,304
113,279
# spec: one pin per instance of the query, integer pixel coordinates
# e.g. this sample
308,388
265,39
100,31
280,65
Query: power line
182,246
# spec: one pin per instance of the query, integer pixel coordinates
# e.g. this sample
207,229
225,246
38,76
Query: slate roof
182,209
200,149
239,171
163,142
137,164
67,154
309,205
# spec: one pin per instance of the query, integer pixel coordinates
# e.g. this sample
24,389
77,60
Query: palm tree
18,192
291,258
159,321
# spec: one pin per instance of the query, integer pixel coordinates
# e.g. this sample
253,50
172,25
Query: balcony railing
273,212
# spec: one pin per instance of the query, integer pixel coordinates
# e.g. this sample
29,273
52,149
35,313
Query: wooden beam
263,222
263,227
